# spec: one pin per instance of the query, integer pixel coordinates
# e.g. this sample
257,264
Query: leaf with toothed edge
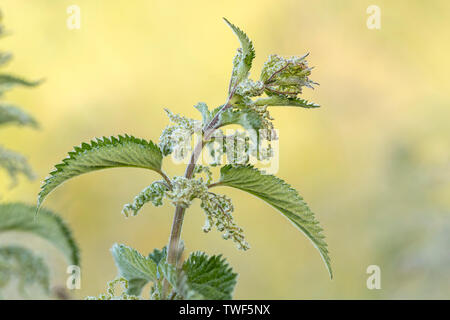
284,101
5,57
135,268
210,276
22,265
14,164
282,197
201,277
243,62
14,115
19,217
103,153
8,81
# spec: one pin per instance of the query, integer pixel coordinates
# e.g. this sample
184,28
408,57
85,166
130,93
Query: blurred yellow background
373,162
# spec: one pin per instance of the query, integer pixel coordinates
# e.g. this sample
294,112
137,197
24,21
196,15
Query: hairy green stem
175,234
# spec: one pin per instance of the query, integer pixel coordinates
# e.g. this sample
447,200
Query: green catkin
153,193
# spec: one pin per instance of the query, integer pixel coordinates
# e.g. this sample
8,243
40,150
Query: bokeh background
373,162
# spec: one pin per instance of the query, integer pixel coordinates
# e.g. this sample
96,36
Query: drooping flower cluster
218,210
201,169
185,190
176,138
153,193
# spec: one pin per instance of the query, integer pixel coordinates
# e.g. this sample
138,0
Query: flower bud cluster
250,88
177,136
185,190
286,77
200,169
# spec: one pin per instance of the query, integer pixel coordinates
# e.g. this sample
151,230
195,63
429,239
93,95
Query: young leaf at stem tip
243,60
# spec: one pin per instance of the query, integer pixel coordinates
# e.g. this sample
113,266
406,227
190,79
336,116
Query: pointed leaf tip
283,198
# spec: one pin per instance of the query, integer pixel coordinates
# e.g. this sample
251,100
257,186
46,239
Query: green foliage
282,197
247,118
21,263
243,60
158,255
49,226
135,268
17,261
103,153
15,164
5,57
14,115
201,277
10,161
8,81
284,101
211,277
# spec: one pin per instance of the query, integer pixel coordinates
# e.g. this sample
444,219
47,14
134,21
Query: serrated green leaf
282,197
284,101
201,278
7,81
103,153
169,272
178,280
21,217
22,264
135,268
5,57
243,61
15,164
211,277
247,118
12,114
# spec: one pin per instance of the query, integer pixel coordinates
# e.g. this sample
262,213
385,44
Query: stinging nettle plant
19,264
200,276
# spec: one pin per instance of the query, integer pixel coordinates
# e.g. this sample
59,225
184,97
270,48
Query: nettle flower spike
177,137
218,210
185,190
153,193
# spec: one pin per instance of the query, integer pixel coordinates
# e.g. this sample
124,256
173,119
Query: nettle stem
175,234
